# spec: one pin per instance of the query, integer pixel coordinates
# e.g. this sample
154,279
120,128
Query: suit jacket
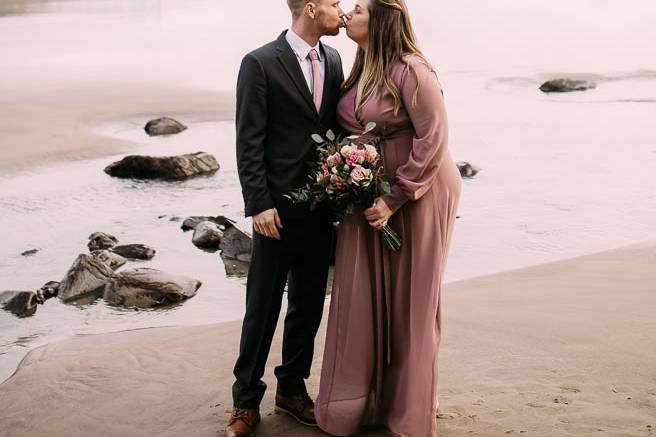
275,119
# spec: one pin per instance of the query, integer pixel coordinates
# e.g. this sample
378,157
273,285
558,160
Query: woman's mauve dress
380,357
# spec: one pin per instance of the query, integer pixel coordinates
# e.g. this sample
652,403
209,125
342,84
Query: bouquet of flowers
346,176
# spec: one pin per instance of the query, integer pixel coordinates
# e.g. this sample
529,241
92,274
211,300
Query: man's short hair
296,6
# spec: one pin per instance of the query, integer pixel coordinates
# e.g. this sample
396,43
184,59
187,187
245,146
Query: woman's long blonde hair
391,36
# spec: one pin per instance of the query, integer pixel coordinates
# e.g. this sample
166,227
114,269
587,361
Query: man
287,90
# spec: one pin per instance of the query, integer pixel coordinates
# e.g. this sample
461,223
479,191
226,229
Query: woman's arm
428,116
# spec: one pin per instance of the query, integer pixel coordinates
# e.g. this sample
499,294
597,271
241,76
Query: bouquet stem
392,239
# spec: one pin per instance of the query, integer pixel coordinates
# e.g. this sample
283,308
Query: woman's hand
378,214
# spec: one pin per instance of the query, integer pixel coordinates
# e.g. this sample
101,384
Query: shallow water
562,175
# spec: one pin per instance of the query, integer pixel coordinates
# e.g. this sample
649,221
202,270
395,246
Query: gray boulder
164,126
113,260
134,251
566,85
19,303
49,290
235,268
144,287
30,252
101,240
467,170
87,277
207,235
236,245
191,222
164,167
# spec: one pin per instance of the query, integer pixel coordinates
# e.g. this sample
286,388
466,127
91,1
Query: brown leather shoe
242,422
300,407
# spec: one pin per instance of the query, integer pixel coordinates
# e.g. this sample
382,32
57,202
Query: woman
380,358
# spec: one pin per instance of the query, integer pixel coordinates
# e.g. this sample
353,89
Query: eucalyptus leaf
317,138
370,126
330,135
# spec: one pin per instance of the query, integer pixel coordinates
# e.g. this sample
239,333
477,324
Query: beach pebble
101,240
236,245
164,126
86,277
134,251
113,260
191,222
467,170
207,235
566,85
164,167
19,303
144,287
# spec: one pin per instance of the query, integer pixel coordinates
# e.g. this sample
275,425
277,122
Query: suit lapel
290,63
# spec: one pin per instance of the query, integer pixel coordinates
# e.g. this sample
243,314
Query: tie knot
314,56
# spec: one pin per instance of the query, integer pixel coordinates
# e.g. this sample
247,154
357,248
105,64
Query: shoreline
54,123
454,284
524,350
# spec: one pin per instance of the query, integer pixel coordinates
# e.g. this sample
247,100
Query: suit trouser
300,259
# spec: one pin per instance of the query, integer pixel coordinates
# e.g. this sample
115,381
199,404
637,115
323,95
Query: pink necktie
317,81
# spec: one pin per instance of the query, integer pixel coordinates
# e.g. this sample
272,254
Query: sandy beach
560,349
58,122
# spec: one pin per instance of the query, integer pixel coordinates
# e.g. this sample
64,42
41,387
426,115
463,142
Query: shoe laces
239,414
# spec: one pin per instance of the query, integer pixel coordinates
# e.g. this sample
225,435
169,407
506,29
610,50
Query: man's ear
310,10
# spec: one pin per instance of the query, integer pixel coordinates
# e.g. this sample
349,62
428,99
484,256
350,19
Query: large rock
113,260
86,277
566,85
164,126
164,167
236,245
30,252
235,268
207,235
467,170
101,240
135,251
144,287
20,303
191,222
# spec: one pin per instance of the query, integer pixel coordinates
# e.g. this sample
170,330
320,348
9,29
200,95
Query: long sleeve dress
384,325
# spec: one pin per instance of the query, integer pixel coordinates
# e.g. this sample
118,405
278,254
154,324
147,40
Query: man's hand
267,223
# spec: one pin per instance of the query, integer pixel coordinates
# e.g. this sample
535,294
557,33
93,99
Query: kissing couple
380,360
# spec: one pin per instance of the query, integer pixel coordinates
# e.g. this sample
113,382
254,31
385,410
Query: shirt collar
299,46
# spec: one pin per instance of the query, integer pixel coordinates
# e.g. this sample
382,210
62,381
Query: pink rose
334,159
361,176
347,151
370,154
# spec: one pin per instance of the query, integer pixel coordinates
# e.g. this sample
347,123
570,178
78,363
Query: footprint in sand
561,400
535,405
443,415
569,389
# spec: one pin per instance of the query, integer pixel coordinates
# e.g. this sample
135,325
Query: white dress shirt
302,51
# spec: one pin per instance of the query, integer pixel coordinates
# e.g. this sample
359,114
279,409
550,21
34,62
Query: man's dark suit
275,119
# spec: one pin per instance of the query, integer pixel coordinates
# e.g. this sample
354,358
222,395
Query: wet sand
560,349
59,122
